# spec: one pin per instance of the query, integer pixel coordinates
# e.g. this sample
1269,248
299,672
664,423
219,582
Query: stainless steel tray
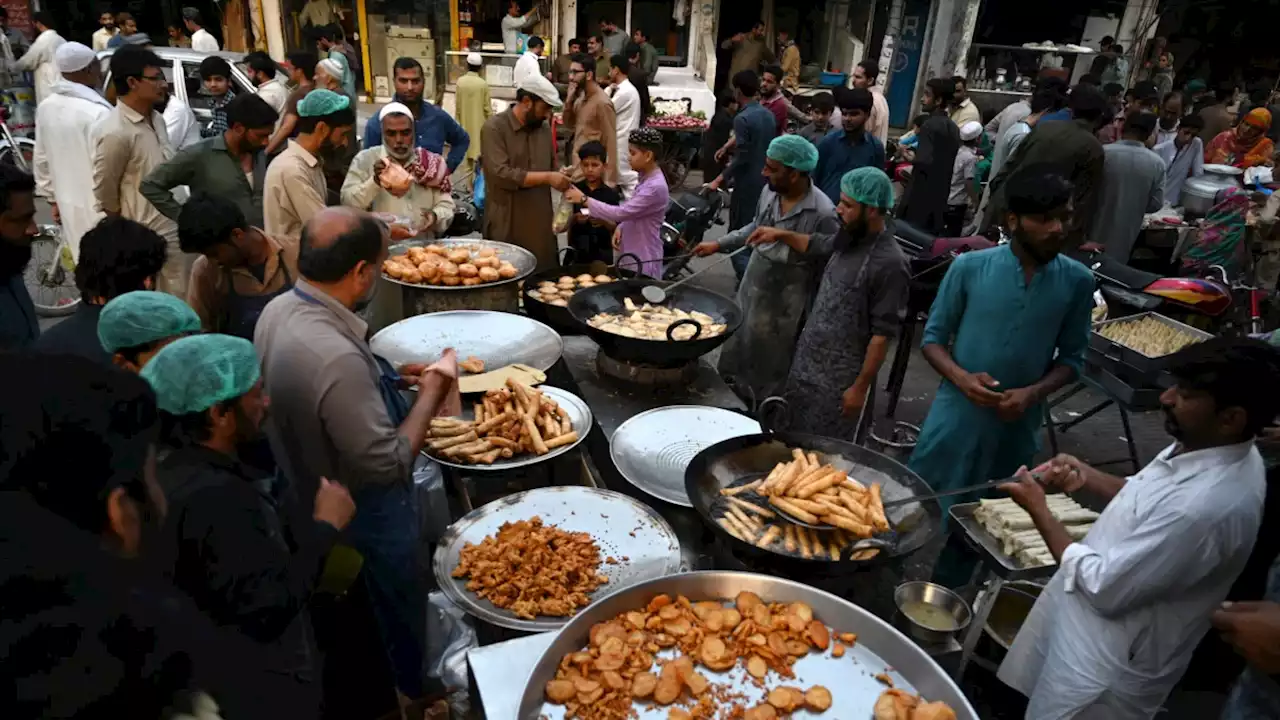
1113,350
653,449
622,527
854,689
523,260
579,415
497,338
993,555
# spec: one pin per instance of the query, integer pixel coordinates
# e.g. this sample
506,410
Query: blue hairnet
322,102
795,152
869,186
195,373
143,317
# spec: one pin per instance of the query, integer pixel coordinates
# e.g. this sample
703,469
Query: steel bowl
522,259
937,596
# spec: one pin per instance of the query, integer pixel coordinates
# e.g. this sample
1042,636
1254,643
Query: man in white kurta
63,158
39,57
626,107
1115,628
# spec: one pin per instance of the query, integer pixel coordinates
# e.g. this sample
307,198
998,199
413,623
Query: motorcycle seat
910,234
1118,272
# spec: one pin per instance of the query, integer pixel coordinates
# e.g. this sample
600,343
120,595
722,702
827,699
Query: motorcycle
689,217
928,258
1214,304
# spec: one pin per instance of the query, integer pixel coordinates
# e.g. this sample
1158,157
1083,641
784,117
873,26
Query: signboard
905,66
19,15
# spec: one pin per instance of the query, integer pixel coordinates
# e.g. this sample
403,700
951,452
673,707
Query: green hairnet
142,317
795,152
869,186
322,102
195,373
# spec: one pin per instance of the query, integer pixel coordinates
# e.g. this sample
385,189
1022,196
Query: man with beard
773,100
221,165
337,414
750,50
1170,116
433,127
779,281
64,143
851,146
925,204
18,326
1115,627
103,34
425,199
294,186
590,113
262,70
518,152
224,542
985,418
858,308
238,267
131,142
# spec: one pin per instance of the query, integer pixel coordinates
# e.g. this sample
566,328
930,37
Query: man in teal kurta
1010,326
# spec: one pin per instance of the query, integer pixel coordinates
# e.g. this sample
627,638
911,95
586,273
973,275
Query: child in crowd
592,238
216,74
905,154
717,135
963,189
819,126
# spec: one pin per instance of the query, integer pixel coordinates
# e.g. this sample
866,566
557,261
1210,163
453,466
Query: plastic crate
832,79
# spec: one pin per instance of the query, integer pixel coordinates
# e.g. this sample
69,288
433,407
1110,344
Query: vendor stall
1000,75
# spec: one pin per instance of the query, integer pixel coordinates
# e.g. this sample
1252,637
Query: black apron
243,310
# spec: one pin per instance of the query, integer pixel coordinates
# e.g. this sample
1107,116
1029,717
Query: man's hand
1014,403
410,373
333,504
575,196
706,247
721,154
1027,491
715,184
765,235
446,366
1062,472
978,388
1253,629
854,399
57,216
1091,247
573,88
559,181
617,238
739,38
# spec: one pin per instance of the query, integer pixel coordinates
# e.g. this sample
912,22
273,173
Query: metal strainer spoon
658,295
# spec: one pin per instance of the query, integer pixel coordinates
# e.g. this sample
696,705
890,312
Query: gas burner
646,375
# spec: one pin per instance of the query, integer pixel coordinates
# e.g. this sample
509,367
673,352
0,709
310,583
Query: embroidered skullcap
646,137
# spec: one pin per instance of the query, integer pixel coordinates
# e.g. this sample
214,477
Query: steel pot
1199,194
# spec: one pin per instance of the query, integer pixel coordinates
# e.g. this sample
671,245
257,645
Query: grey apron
243,310
832,346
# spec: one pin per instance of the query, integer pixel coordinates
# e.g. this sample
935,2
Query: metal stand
1052,427
901,356
981,611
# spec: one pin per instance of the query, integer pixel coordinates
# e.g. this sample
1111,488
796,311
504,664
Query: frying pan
559,317
585,304
729,461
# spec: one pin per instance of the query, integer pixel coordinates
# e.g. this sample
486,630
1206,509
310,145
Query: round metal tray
523,260
851,679
622,527
579,415
653,449
497,338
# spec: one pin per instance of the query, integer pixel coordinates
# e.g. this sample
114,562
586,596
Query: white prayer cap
394,108
970,130
331,68
474,59
542,87
72,57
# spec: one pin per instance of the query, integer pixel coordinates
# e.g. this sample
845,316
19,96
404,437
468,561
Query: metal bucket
901,441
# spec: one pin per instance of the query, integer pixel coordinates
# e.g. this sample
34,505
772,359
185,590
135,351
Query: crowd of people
179,457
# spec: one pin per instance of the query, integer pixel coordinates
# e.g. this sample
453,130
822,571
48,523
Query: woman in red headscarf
1244,146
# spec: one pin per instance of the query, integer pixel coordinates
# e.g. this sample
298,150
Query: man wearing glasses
589,112
132,141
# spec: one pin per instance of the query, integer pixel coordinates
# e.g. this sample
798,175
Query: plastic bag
433,505
477,191
564,213
449,637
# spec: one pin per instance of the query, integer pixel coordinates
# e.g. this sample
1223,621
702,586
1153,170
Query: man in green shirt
648,55
222,165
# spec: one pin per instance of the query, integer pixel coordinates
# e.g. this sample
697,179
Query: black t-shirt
589,241
76,335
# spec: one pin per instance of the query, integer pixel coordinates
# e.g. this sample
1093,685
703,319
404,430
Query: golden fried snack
449,268
489,274
393,269
416,255
601,279
459,256
467,270
450,280
486,253
933,711
411,275
472,364
470,281
894,704
435,249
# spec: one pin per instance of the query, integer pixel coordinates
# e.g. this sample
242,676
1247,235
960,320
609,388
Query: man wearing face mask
985,420
231,165
337,413
858,308
294,187
1114,629
224,541
518,152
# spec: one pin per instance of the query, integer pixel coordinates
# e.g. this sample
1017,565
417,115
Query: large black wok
558,317
750,456
585,304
